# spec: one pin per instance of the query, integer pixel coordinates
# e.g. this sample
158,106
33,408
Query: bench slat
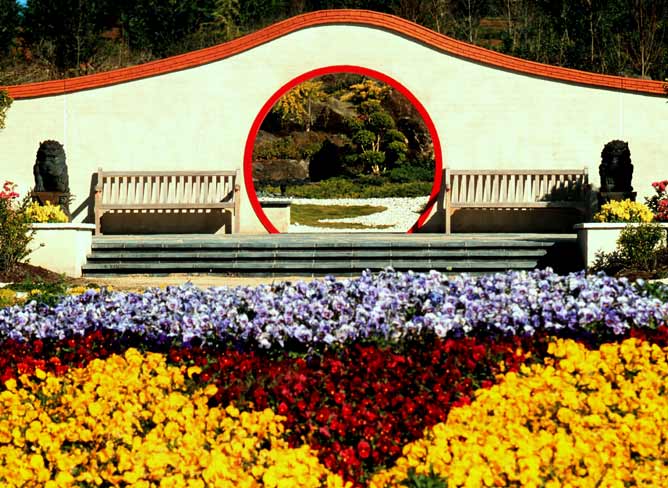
161,190
515,189
231,173
516,172
173,206
520,205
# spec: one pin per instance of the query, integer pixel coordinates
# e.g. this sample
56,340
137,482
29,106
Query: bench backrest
183,188
515,186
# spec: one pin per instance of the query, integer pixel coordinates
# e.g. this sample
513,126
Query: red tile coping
328,17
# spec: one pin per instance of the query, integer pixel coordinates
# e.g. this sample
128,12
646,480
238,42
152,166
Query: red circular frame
250,142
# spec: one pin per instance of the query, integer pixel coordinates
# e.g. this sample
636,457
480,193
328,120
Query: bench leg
237,209
98,218
237,221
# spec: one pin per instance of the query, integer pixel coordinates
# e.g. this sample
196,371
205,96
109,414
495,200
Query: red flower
363,449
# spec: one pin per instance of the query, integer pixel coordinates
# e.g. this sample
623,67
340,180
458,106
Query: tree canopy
71,37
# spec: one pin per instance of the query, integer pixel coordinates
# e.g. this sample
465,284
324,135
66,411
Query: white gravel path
401,213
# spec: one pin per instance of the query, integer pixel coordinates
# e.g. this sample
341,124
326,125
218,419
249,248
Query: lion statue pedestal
616,172
51,178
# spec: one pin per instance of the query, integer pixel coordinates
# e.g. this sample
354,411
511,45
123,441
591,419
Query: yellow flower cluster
7,297
45,213
624,211
130,421
584,418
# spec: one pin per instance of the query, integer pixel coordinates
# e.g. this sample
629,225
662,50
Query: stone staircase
321,254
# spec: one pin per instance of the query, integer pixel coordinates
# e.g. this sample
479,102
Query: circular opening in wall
349,148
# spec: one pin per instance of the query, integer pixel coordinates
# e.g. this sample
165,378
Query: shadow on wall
535,220
543,220
516,220
209,222
162,222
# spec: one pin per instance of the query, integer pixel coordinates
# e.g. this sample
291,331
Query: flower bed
328,382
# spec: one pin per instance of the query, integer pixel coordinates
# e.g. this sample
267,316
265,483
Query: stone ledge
63,226
61,248
595,237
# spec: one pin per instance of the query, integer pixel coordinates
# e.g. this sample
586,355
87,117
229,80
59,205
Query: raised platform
321,254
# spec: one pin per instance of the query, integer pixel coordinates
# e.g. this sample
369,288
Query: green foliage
9,24
286,148
614,37
395,135
354,124
611,263
15,233
638,245
257,13
654,289
364,138
372,161
340,187
71,27
282,148
377,144
396,152
380,122
431,480
165,28
5,103
407,172
639,248
48,293
223,24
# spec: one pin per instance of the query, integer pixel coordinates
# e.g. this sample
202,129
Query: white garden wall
489,110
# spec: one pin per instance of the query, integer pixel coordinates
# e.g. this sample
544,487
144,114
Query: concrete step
165,255
308,267
311,255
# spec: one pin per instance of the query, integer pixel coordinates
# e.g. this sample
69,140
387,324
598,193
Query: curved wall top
367,18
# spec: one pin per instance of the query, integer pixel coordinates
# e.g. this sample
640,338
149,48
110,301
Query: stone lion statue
50,168
616,169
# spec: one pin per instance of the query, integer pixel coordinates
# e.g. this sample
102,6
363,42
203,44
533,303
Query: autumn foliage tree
298,105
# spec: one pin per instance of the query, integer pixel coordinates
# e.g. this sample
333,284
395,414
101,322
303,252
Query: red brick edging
368,18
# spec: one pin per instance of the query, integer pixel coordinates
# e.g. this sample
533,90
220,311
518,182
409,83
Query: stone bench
514,189
166,191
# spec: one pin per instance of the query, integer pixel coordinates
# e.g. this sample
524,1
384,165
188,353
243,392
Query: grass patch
313,215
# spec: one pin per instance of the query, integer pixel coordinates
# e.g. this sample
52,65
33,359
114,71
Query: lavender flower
386,306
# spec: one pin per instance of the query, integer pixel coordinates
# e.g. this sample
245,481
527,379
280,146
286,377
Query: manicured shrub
640,248
281,148
409,173
638,245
